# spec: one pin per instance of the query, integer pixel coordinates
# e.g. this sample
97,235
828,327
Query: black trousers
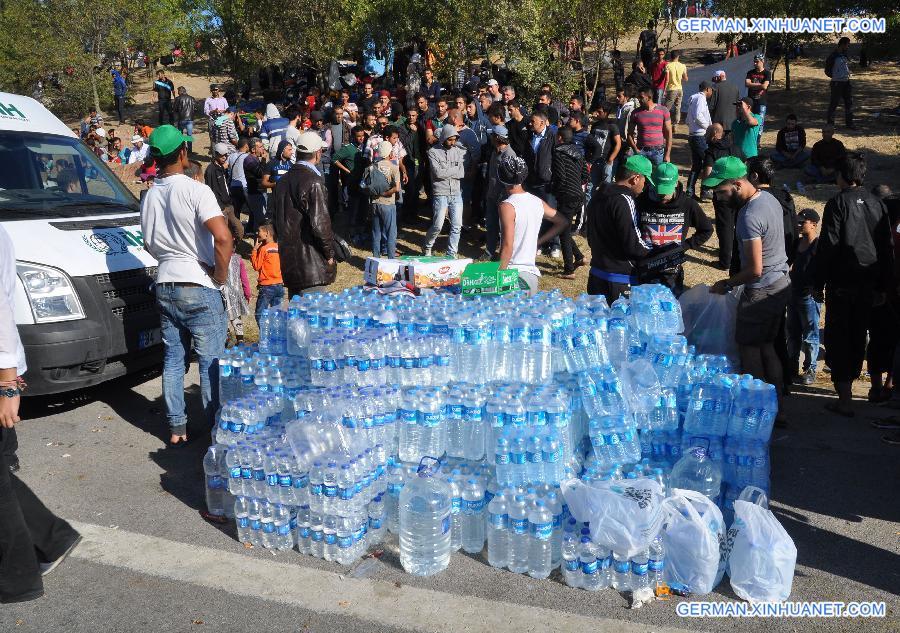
840,91
570,250
166,112
29,534
724,223
120,109
609,289
847,315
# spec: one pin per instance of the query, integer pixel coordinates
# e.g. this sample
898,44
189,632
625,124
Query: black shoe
893,440
22,597
887,424
13,463
46,568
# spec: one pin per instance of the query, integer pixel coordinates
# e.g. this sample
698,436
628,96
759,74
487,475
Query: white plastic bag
693,533
624,516
763,555
709,321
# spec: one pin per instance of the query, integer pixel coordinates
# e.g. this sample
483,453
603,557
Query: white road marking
321,591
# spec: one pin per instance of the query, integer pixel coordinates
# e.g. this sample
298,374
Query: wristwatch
10,392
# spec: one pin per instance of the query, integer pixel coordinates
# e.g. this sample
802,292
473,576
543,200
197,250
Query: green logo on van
9,111
115,242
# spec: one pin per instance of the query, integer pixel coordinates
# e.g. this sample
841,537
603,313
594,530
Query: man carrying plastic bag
763,555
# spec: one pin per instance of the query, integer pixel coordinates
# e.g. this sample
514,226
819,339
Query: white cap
492,82
384,149
137,138
310,142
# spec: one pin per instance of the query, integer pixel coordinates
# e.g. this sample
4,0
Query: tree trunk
787,72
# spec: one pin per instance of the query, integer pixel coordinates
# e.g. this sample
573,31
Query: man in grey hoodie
496,190
447,161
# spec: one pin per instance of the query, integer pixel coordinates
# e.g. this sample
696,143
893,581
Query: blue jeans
188,128
783,161
384,226
655,155
439,208
185,314
803,330
820,175
760,109
271,296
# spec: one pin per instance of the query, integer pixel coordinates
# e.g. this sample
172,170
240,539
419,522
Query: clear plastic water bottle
425,522
267,521
502,462
472,518
540,522
215,483
571,565
242,519
303,529
376,518
590,565
640,570
498,532
621,572
697,471
454,420
329,539
392,500
284,538
455,513
519,541
656,562
473,424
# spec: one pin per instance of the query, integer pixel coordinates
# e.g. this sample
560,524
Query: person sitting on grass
824,158
790,145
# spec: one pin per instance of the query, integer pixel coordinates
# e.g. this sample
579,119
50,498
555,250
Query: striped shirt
650,124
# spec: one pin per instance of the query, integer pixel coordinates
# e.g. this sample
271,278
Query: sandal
180,443
835,407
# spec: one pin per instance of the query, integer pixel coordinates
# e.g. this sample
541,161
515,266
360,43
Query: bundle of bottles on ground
453,421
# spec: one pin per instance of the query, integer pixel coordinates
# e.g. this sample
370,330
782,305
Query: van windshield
49,176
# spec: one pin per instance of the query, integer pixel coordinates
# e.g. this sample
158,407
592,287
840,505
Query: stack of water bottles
452,421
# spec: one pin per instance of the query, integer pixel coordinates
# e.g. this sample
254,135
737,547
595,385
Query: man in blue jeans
384,207
447,162
803,310
184,229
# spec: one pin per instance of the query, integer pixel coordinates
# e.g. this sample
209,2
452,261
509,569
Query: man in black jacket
185,105
539,157
302,222
216,178
854,266
666,214
638,77
569,176
412,135
613,233
164,89
518,126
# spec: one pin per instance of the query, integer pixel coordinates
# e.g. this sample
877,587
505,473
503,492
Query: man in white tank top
521,215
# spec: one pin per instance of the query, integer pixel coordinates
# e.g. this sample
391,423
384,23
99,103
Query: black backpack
829,63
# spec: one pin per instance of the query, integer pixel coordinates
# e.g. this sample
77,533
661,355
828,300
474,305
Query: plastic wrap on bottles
709,321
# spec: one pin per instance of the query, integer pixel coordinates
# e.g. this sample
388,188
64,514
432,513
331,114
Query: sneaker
426,252
886,424
893,440
46,568
809,377
556,253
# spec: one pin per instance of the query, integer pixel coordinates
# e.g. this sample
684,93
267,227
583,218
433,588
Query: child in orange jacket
267,264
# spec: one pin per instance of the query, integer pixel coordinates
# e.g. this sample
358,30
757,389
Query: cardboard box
381,271
437,273
487,279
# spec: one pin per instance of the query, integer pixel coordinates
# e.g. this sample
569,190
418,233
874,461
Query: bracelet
18,383
10,392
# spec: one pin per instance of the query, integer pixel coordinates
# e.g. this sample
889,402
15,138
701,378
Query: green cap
166,139
726,168
665,178
640,165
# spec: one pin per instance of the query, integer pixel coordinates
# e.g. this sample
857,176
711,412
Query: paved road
150,563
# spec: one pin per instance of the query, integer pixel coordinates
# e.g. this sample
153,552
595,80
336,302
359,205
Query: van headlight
50,293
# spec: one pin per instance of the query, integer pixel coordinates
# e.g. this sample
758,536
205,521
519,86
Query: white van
84,304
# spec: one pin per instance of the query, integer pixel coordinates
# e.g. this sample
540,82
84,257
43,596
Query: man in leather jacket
302,222
185,106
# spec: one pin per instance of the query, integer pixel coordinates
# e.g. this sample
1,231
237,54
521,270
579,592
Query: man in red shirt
658,75
650,129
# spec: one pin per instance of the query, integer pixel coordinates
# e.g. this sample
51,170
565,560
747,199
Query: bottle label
375,523
473,505
542,531
259,474
363,364
589,567
246,473
329,365
255,524
534,458
268,527
407,415
605,562
517,458
471,414
455,411
501,459
317,536
394,362
235,472
498,521
284,530
455,505
346,493
516,419
360,534
272,479
330,539
639,569
303,533
236,427
345,542
424,362
622,566
442,361
409,363
300,482
316,489
394,489
445,524
243,522
656,565
431,418
550,457
519,526
537,418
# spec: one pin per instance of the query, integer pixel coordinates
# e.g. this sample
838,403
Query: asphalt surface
99,459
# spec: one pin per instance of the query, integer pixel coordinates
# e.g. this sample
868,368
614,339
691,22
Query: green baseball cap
726,168
166,139
665,178
640,165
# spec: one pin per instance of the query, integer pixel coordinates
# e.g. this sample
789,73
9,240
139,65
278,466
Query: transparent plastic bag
624,516
692,538
763,555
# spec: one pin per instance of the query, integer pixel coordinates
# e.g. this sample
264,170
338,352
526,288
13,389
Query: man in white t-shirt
184,229
521,214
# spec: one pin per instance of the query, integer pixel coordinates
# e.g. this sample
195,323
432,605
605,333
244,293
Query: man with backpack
383,183
837,67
